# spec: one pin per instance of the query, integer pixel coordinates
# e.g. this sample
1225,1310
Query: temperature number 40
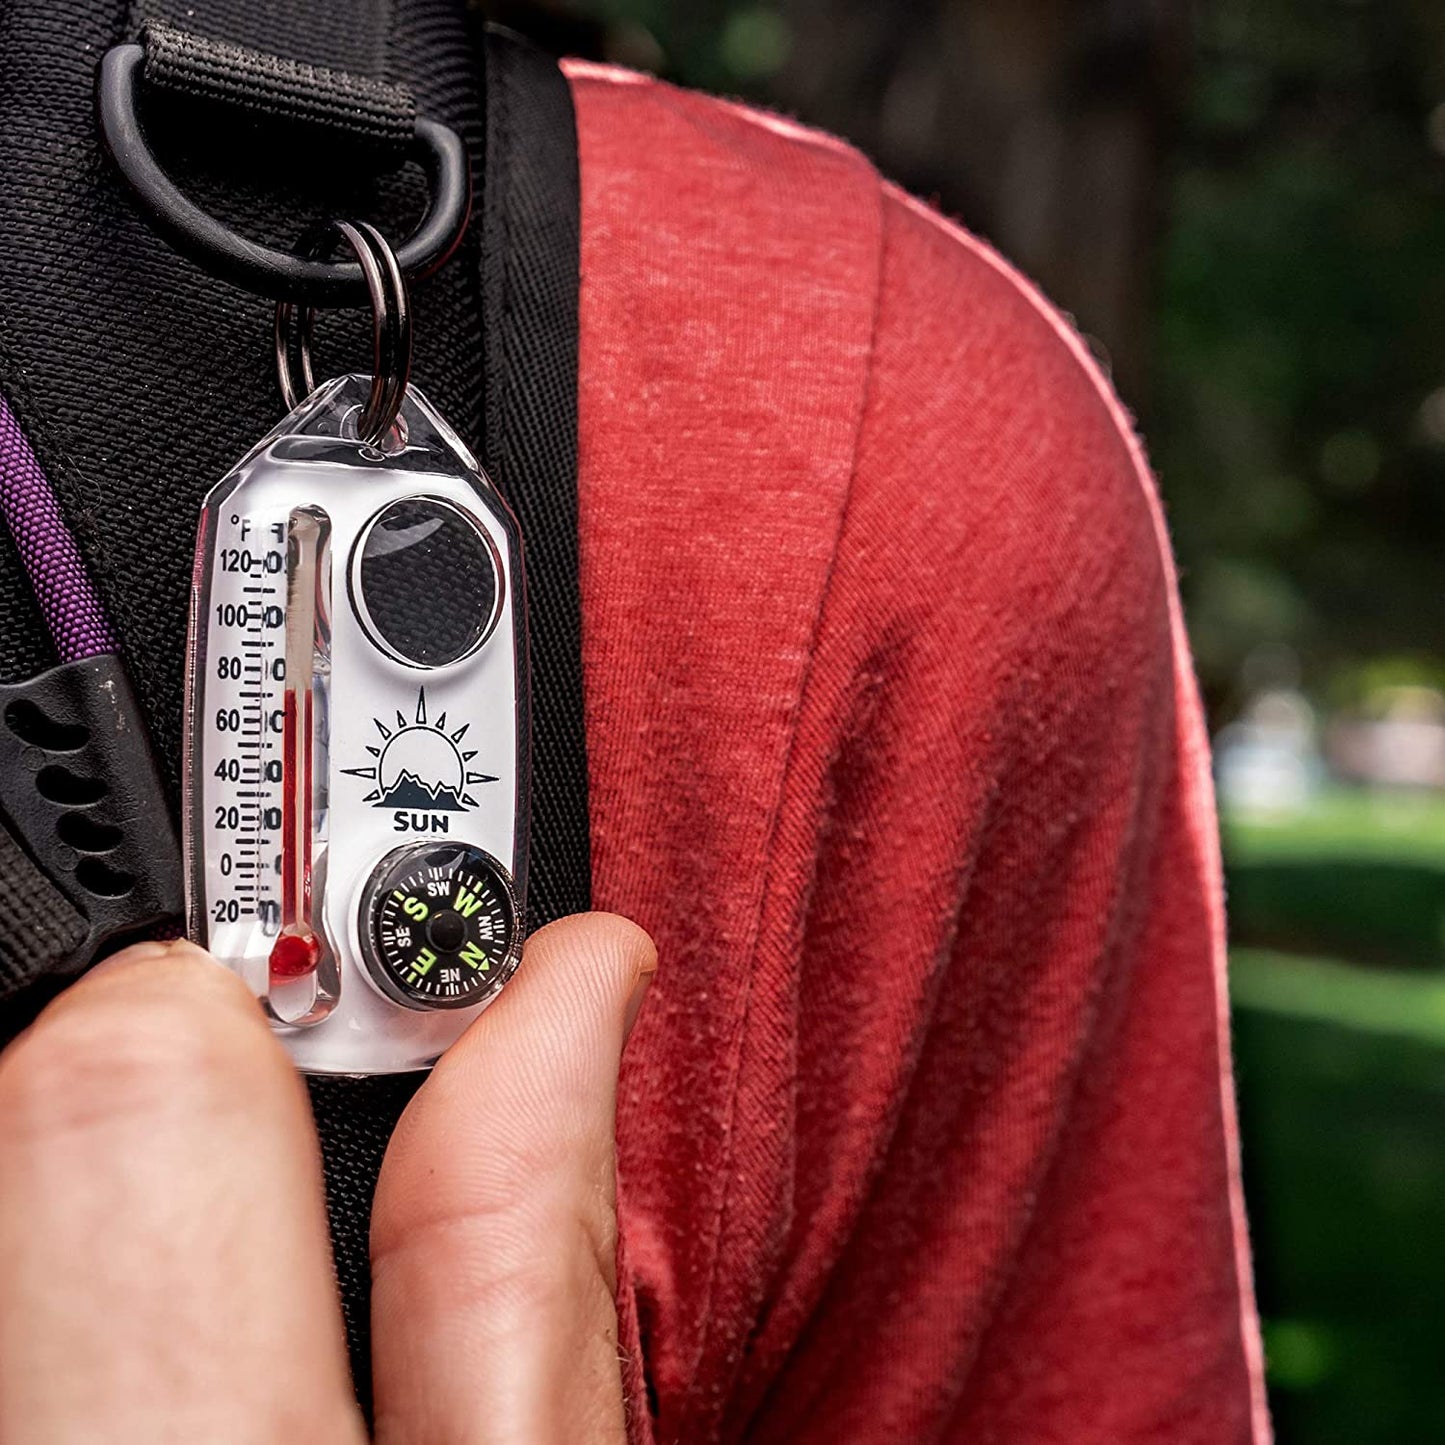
231,770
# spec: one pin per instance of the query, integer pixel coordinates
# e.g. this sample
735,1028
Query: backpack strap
529,270
132,430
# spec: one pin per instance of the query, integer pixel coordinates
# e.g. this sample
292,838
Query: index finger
164,1264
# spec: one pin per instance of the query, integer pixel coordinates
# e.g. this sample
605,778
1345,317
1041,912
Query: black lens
427,579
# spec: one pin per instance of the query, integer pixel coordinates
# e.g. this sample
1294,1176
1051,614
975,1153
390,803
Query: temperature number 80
228,668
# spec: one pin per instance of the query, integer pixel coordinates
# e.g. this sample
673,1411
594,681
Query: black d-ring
279,275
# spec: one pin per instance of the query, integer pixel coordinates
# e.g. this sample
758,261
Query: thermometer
356,743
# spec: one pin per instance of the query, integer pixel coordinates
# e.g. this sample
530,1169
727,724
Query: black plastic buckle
83,800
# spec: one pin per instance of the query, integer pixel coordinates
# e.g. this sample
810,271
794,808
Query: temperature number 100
238,614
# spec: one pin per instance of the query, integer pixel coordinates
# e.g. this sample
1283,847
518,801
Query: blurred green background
1240,203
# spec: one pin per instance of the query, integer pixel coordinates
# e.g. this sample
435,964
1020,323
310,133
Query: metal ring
279,275
390,335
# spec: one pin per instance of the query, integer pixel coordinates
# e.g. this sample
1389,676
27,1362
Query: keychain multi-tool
355,822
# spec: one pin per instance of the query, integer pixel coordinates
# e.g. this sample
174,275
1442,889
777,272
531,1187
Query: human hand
165,1272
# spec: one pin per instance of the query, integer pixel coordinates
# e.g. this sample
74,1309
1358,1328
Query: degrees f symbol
419,765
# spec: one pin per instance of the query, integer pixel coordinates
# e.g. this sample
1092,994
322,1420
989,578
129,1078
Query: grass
1391,1003
1342,1091
1358,876
1346,824
1341,1070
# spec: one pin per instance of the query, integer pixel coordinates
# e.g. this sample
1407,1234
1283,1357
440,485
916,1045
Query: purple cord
67,598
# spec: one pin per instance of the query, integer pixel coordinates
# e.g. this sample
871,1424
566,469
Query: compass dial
439,926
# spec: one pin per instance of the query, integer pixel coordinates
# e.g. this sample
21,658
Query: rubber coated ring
279,275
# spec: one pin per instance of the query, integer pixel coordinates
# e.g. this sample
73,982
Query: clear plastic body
356,683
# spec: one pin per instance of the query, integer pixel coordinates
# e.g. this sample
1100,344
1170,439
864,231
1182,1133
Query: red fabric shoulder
926,1132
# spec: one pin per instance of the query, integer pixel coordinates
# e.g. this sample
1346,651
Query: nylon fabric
56,571
530,228
40,921
26,646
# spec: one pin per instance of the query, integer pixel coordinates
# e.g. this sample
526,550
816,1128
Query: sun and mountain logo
420,765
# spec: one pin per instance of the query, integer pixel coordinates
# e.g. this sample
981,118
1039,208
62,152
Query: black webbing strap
313,73
345,35
312,104
529,274
36,919
145,379
530,279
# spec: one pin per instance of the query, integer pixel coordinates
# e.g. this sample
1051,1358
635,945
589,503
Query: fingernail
634,1003
137,952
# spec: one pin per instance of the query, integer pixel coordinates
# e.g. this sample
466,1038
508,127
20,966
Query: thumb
493,1235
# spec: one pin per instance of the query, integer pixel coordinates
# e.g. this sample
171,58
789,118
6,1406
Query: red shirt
927,1130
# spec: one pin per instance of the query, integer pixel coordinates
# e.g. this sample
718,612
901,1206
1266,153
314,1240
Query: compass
439,926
